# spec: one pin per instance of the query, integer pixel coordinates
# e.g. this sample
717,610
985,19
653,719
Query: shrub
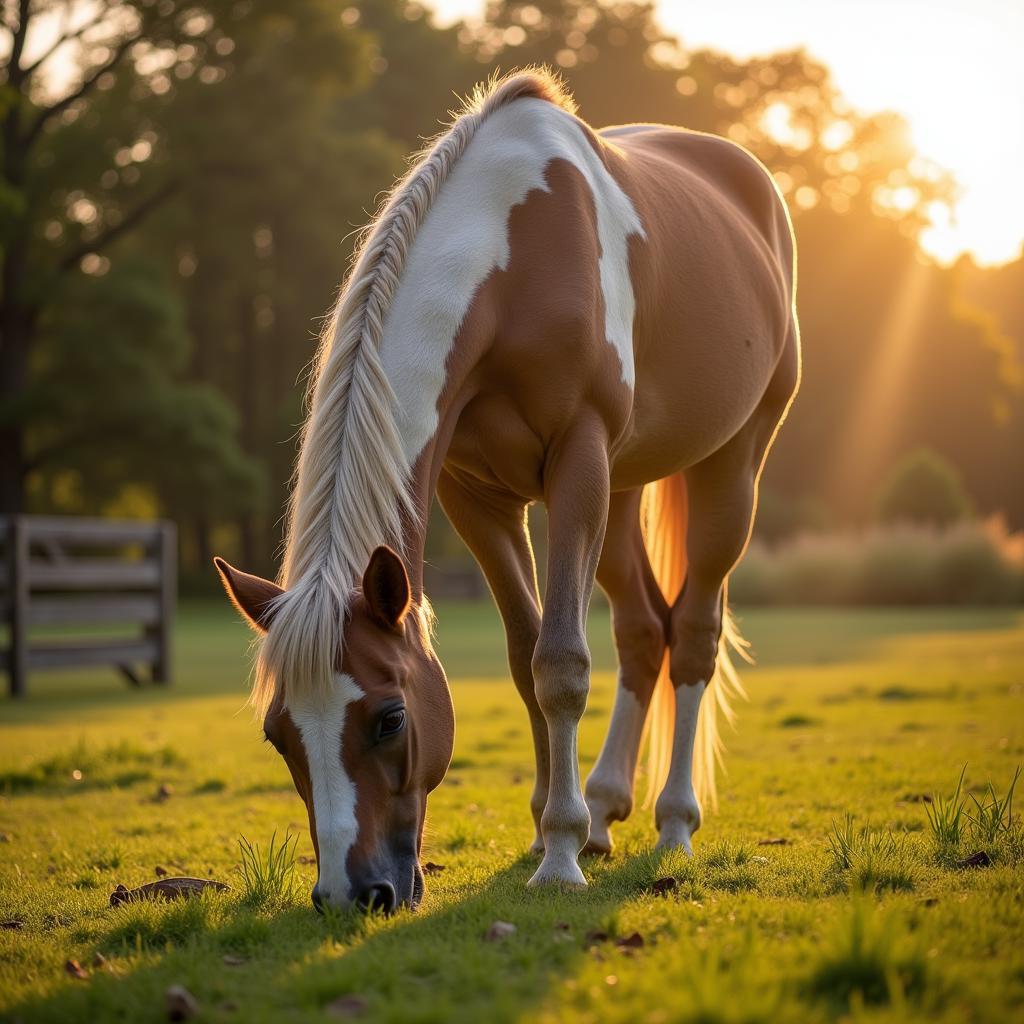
968,563
923,488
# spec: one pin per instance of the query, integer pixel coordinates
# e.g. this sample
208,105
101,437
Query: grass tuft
268,879
865,962
947,820
870,860
993,817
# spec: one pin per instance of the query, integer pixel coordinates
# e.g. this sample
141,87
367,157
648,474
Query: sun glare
951,67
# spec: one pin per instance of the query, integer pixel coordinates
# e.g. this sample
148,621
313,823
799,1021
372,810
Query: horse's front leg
493,525
576,494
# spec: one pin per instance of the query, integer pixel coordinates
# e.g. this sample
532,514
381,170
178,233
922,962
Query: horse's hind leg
493,525
722,495
640,627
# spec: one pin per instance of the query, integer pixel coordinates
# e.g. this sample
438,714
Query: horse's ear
386,587
252,595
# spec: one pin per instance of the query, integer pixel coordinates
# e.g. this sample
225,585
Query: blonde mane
352,482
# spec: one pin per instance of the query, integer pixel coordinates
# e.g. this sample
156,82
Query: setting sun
951,67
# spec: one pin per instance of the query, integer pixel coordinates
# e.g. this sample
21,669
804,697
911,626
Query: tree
923,488
86,162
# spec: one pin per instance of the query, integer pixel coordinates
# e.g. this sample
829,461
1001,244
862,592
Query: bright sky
953,68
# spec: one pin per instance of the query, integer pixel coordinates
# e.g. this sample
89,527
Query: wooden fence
70,575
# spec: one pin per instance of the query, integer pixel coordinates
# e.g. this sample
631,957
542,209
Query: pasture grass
826,887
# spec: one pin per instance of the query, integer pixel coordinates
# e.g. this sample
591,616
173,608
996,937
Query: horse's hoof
675,835
558,871
598,845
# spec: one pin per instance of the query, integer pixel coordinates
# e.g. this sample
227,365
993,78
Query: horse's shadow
435,964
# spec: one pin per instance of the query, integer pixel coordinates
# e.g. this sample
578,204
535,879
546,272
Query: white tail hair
352,482
663,519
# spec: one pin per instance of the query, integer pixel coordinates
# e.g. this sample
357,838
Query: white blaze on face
320,724
464,237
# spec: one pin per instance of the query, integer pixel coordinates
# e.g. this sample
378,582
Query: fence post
168,596
17,567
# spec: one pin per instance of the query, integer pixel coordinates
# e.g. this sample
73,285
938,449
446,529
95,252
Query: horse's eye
391,722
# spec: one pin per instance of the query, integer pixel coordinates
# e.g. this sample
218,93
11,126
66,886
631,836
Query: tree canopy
180,186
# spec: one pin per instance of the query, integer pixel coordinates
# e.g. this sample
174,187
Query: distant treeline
176,219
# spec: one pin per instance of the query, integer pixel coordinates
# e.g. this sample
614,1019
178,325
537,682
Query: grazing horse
602,321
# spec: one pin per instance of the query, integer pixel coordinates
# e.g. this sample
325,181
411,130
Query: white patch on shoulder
464,238
320,724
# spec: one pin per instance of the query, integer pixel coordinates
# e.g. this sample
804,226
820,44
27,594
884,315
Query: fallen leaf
592,938
561,926
13,925
5,837
160,871
75,970
634,941
930,901
306,859
347,1006
499,930
164,792
981,859
663,886
234,960
99,960
166,889
759,860
180,1003
777,841
430,868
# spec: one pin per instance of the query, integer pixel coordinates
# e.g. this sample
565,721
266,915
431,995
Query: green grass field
860,712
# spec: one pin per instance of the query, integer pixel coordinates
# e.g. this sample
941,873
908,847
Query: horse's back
714,280
711,170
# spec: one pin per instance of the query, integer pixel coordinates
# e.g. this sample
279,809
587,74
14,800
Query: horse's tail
663,520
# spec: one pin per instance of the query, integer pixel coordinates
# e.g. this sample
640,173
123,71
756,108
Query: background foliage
180,186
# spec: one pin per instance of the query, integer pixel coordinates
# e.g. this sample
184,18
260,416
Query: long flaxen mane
352,482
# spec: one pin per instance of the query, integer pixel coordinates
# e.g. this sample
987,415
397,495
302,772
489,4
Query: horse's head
365,756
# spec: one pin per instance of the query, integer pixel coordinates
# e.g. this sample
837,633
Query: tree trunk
17,326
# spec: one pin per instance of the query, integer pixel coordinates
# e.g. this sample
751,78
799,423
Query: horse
602,321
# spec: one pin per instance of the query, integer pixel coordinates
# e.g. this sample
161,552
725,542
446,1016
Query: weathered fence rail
61,573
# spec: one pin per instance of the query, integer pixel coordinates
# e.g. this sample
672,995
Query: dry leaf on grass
499,930
981,859
73,969
347,1006
166,889
430,868
180,1003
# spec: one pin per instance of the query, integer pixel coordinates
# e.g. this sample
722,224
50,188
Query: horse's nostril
379,896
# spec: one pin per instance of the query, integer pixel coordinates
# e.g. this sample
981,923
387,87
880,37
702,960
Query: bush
923,488
902,564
